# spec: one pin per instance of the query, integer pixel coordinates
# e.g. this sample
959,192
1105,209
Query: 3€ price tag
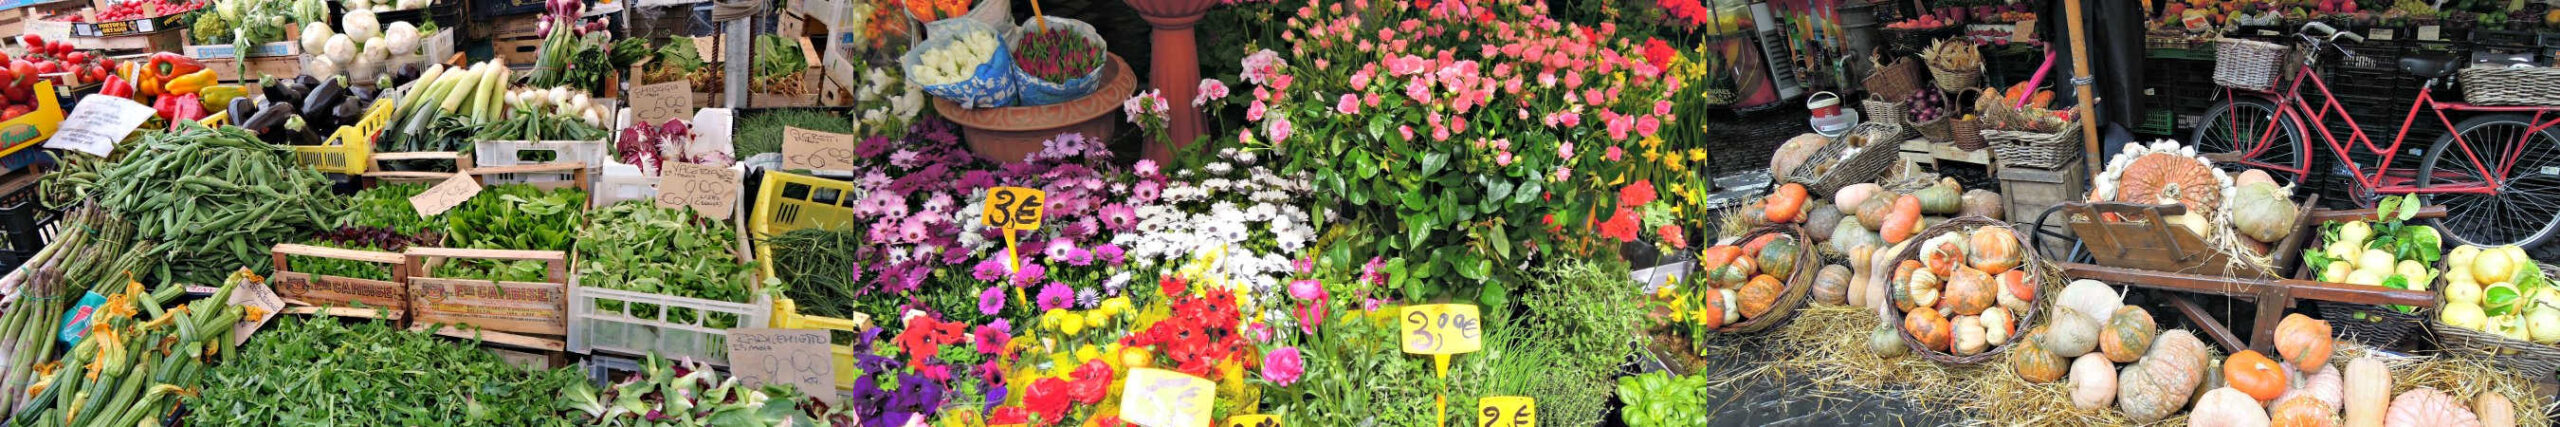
1506,411
1253,421
1013,207
1161,398
1442,329
445,195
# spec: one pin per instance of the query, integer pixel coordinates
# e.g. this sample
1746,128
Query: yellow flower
1096,318
1652,141
1697,154
1049,319
1115,305
1087,353
1650,155
1666,291
1070,324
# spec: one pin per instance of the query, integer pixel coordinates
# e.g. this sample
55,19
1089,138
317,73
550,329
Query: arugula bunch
638,246
517,216
316,371
387,206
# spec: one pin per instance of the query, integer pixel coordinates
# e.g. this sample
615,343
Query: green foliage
760,132
1356,375
638,246
387,206
1658,399
314,371
1572,331
517,216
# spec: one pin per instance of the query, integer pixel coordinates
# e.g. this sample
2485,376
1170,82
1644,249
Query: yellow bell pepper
218,97
191,83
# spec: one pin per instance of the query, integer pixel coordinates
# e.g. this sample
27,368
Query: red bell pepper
173,64
190,107
164,107
115,86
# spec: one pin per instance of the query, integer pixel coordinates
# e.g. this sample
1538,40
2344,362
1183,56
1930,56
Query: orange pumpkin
1711,309
1716,257
2128,335
2017,290
1759,296
1786,205
2303,411
2036,365
1942,254
1994,250
1931,329
2254,374
1903,221
1872,212
1753,248
2304,341
1901,284
1969,292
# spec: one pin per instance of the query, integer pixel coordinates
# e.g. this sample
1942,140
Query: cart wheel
2049,238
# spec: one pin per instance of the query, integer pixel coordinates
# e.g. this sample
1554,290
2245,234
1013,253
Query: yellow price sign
1442,329
1160,398
1506,411
1253,421
1014,208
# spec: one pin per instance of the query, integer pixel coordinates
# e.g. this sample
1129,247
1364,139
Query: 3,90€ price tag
1506,411
1161,398
1013,207
1253,421
1442,329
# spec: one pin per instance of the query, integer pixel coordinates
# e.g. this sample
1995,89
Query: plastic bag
990,85
1036,91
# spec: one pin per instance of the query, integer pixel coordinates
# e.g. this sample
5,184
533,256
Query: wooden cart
2134,245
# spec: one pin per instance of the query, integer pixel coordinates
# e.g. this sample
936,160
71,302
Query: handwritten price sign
1506,411
1160,398
1442,329
798,357
1013,207
710,191
446,195
658,102
1253,421
814,150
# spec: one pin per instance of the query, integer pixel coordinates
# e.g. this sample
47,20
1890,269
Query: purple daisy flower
1056,296
1031,273
1119,217
1111,254
991,300
988,270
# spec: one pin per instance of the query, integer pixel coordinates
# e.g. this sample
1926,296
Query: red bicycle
2497,172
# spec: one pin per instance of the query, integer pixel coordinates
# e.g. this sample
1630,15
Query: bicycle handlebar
2319,29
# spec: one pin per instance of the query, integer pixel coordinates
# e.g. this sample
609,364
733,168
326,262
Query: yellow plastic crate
350,149
787,202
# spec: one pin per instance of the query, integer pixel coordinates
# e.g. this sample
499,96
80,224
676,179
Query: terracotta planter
1007,134
1176,64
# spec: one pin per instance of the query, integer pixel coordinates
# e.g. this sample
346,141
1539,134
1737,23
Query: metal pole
735,63
2080,83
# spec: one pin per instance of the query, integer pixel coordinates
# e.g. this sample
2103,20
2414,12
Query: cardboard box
279,66
159,24
518,51
164,41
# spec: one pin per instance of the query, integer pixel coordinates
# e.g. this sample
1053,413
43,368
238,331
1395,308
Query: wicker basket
2249,64
1895,82
2040,150
1941,130
2046,277
2372,325
2538,86
1956,80
2526,358
1966,134
1829,170
1808,264
1886,112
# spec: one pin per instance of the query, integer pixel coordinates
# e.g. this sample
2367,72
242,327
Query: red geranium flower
1622,226
1048,398
1173,286
1092,383
1658,53
1637,194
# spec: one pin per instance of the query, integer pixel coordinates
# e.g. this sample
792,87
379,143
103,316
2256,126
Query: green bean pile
216,199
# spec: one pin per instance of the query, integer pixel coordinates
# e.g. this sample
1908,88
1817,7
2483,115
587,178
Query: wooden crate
517,51
318,293
537,309
262,66
2027,192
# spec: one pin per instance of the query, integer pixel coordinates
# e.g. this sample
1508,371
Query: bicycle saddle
2429,66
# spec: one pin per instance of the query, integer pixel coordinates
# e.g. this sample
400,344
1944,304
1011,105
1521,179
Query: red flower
1636,195
1092,383
1671,234
1048,398
1008,415
1173,286
1658,53
1622,226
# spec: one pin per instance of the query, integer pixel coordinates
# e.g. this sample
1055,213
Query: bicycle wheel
2524,208
2234,127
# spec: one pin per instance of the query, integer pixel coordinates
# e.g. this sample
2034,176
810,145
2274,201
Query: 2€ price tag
1253,421
1013,207
1161,398
1442,329
1506,411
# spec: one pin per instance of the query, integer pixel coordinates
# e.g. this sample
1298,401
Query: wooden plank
2248,288
283,249
2325,215
496,337
2272,301
367,313
2213,328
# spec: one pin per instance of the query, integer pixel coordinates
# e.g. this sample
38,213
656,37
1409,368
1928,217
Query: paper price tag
1161,398
656,103
97,123
815,150
445,195
798,357
254,294
1442,329
1013,207
2024,31
1253,421
2430,32
707,48
2380,34
1506,411
710,191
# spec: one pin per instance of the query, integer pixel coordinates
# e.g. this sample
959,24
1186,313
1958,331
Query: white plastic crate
649,322
621,182
514,153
